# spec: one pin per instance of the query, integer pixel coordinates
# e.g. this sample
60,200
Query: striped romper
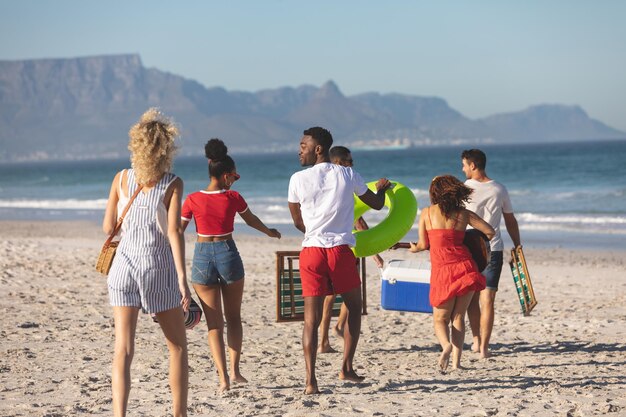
143,273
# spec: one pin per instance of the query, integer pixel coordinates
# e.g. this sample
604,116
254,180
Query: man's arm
360,224
296,215
376,201
512,228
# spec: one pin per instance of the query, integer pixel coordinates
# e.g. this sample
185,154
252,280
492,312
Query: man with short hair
490,200
340,155
321,203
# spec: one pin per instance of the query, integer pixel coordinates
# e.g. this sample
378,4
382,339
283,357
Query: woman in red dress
454,275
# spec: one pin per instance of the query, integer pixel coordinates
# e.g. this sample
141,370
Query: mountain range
83,107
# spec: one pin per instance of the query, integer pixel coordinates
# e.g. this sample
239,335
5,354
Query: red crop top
214,211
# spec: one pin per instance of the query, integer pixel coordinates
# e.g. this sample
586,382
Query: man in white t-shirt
321,202
490,200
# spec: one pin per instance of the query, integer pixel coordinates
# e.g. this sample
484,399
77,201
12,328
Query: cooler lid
407,271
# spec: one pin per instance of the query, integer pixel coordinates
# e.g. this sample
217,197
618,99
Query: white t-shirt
326,196
489,200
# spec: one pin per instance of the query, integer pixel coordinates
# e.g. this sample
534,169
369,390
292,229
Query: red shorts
326,271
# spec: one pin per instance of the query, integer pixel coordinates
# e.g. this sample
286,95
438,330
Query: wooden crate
289,300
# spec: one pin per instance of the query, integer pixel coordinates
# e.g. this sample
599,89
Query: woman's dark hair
449,193
219,161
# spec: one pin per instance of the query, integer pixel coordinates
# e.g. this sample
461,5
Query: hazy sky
483,57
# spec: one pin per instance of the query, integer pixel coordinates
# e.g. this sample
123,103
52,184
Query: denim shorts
216,263
493,270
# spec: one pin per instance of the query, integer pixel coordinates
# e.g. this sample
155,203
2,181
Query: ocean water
567,194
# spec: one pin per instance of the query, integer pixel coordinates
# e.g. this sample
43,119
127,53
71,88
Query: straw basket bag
107,253
105,259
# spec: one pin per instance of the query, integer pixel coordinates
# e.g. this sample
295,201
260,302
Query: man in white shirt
490,200
321,202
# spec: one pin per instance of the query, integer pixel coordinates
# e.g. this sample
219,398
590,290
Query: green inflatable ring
402,211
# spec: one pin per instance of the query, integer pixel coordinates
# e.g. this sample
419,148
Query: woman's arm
479,224
253,221
423,243
177,241
110,214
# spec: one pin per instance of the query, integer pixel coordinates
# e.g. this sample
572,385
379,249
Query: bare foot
444,359
350,376
476,345
326,348
224,382
224,387
485,354
239,379
338,331
311,389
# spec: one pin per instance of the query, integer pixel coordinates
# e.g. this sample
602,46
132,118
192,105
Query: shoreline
487,143
57,341
576,241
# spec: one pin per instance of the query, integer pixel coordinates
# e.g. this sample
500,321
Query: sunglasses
235,176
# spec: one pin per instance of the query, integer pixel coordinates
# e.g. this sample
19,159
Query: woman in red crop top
217,269
454,275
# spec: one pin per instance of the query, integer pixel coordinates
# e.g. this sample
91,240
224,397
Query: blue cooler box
405,286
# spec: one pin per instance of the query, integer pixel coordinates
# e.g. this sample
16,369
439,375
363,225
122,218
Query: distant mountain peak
127,59
328,90
557,109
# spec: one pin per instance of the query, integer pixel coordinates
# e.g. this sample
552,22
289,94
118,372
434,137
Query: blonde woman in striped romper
148,271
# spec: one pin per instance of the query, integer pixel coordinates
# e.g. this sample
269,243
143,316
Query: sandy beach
568,358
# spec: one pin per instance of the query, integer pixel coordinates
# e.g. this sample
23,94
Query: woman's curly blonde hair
152,146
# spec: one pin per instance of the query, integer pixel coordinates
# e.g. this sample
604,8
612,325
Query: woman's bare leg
125,319
211,301
232,295
441,320
458,327
173,325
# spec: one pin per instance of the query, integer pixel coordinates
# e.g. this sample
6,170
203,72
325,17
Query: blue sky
483,57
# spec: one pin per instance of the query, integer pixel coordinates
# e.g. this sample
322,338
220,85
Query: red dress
453,271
